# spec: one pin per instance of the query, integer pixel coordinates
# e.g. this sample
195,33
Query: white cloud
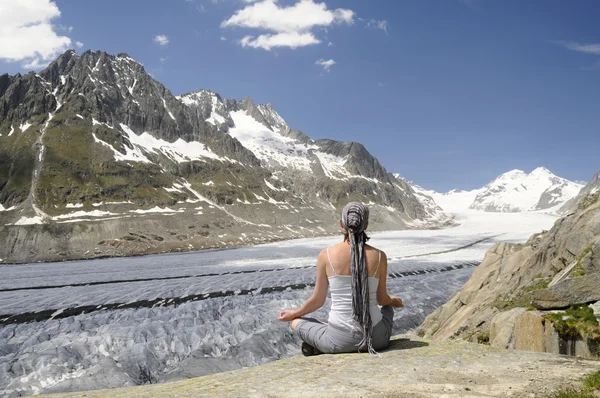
161,40
78,44
287,26
583,48
330,44
383,25
27,33
35,63
291,40
223,38
67,29
163,59
325,64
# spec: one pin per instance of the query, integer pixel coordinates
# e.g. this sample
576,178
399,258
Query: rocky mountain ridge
94,142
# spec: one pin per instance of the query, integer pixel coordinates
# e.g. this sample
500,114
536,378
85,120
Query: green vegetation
77,170
522,298
592,382
483,338
576,321
227,179
509,304
538,284
588,201
17,160
570,393
591,385
578,270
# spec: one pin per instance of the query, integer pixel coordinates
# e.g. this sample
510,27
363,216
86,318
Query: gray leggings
330,339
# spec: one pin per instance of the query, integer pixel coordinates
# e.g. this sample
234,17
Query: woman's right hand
396,302
287,316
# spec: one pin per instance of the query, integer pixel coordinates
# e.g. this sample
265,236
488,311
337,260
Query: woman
357,274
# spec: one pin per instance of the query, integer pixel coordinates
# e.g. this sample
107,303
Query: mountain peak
541,171
514,172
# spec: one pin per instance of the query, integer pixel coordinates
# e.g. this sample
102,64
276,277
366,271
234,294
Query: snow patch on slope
179,151
30,220
81,213
24,126
267,145
167,109
333,166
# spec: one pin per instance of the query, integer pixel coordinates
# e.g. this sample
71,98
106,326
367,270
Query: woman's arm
318,297
383,297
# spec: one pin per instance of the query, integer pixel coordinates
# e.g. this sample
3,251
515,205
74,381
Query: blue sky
450,94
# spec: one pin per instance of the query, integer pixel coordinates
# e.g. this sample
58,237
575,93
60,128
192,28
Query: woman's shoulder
375,249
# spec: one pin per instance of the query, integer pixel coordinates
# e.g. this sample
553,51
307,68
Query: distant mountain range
97,158
514,191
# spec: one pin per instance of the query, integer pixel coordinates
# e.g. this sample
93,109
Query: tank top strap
330,263
378,262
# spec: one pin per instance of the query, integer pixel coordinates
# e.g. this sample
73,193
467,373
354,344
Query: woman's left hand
287,315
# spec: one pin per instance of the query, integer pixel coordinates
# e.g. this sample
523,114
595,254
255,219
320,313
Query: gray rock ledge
411,368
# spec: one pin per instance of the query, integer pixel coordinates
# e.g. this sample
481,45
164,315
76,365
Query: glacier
93,324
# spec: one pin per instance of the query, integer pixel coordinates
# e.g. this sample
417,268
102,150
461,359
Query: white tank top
341,299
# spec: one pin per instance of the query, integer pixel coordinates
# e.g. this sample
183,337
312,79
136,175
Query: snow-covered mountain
93,138
514,191
518,191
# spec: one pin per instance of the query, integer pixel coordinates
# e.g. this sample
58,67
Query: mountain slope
94,138
588,193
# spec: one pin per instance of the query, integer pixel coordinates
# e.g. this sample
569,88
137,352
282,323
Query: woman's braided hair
355,217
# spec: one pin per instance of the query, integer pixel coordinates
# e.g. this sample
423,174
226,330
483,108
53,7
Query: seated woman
357,273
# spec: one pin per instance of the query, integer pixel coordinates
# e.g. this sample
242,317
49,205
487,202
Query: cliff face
556,271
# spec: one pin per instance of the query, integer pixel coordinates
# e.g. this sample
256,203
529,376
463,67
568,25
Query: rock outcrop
538,296
411,367
591,188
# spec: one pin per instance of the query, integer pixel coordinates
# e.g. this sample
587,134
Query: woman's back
340,285
339,260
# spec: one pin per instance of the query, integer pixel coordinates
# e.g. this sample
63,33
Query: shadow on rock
405,344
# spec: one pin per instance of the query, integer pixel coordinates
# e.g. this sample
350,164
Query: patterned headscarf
355,217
